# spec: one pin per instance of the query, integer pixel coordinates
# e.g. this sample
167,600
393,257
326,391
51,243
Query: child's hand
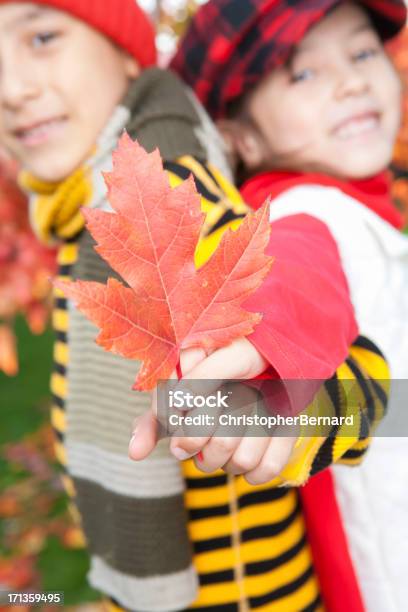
144,437
259,458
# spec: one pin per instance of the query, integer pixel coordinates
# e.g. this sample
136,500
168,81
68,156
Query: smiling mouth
40,132
358,125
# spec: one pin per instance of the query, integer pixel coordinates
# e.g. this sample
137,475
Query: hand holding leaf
150,241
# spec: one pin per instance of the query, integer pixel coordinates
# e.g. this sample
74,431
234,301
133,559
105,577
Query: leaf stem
178,370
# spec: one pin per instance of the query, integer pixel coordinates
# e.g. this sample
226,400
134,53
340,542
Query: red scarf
333,564
375,192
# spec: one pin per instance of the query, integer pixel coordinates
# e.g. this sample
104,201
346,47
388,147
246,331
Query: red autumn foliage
399,53
25,266
150,241
31,511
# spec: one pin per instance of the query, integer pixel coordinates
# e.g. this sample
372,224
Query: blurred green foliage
23,398
33,505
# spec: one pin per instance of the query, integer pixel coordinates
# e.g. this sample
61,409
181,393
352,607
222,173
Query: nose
18,82
351,81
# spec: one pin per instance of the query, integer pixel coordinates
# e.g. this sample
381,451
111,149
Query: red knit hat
232,44
123,21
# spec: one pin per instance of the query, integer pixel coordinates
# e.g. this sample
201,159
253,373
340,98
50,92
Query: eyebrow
31,14
362,27
367,25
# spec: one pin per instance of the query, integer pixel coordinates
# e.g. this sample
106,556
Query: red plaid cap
231,44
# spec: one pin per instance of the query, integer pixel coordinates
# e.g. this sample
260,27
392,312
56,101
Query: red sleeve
308,320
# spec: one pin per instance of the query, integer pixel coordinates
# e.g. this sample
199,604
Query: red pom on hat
123,21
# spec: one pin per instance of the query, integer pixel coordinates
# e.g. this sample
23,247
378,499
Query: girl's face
335,108
59,83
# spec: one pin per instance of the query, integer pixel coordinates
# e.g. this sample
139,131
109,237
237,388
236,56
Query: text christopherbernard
271,421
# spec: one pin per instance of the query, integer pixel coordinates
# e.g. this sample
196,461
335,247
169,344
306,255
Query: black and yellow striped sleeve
359,389
362,384
369,374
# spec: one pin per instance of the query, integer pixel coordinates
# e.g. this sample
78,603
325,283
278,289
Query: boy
309,104
74,74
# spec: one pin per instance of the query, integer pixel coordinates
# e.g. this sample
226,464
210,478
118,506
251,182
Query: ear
131,65
243,142
227,130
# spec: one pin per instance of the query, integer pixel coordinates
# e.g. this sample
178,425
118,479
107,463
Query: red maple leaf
150,241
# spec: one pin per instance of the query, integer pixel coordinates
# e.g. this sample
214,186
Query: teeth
357,127
39,130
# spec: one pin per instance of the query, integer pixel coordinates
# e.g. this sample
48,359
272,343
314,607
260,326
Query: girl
310,106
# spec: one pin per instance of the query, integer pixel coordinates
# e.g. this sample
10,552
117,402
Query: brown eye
302,75
42,39
365,54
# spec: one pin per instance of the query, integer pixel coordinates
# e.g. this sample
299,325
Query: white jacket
373,497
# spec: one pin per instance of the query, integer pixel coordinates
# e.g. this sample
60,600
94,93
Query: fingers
144,437
218,442
184,448
260,459
141,448
247,455
274,459
217,453
223,449
190,358
238,360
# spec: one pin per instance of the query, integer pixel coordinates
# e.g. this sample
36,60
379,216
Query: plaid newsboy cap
231,44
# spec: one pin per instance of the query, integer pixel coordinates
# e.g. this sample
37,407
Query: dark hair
237,110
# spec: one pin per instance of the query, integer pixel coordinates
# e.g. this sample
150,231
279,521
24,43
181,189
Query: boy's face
59,83
335,108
